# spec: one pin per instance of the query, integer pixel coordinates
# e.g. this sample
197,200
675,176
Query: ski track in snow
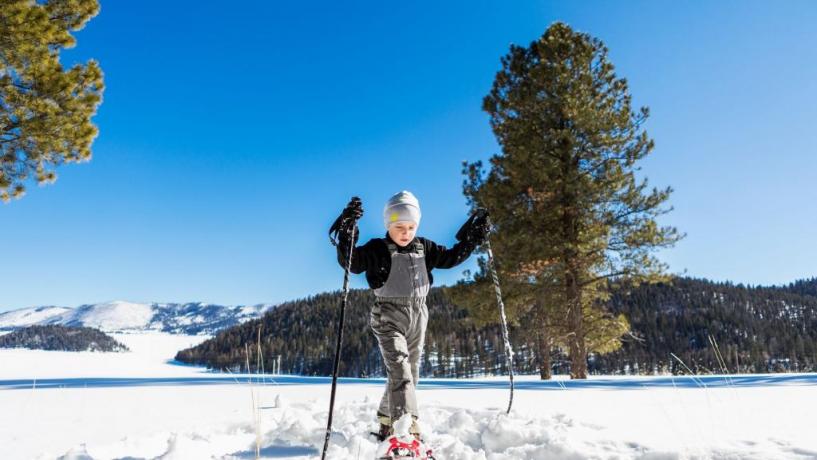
55,411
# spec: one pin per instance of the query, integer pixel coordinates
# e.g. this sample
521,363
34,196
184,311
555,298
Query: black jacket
374,258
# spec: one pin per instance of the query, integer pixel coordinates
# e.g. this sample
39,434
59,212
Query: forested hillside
61,338
755,329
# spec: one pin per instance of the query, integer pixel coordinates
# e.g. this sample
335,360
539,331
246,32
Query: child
398,268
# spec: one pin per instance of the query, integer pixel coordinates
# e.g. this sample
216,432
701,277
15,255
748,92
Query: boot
385,428
384,432
415,430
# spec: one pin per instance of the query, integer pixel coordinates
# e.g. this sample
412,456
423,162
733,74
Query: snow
143,405
151,355
29,316
120,315
110,316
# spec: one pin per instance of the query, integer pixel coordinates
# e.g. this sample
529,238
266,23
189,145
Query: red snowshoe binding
396,448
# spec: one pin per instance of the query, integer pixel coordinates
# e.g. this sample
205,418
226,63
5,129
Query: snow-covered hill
29,316
188,318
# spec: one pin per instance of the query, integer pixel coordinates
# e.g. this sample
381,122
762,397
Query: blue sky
230,138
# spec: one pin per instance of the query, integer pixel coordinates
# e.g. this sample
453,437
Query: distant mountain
29,316
61,338
188,318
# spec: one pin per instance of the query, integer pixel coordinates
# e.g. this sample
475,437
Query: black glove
475,229
353,210
344,230
479,230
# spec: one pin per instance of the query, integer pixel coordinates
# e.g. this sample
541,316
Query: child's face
402,232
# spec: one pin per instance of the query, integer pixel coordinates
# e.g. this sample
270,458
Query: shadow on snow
698,381
277,452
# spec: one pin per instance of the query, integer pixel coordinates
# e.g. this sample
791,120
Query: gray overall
398,319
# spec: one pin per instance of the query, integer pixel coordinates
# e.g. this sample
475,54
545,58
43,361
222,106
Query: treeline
61,338
300,338
752,329
715,328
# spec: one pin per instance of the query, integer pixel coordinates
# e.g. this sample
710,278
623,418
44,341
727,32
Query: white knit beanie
401,207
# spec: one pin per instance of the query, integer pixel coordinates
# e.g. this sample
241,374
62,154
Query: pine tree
45,110
570,218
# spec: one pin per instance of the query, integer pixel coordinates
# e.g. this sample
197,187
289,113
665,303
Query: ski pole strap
341,226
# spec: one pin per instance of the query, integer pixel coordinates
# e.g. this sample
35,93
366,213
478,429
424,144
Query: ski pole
505,335
340,337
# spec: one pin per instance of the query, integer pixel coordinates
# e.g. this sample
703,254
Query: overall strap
418,248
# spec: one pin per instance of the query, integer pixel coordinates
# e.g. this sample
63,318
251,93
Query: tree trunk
571,240
545,372
578,348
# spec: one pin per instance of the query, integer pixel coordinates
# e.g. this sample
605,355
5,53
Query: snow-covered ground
142,405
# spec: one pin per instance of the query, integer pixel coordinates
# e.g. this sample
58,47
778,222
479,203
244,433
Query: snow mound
77,453
297,431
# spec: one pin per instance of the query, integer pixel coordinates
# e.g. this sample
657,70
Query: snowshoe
403,448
